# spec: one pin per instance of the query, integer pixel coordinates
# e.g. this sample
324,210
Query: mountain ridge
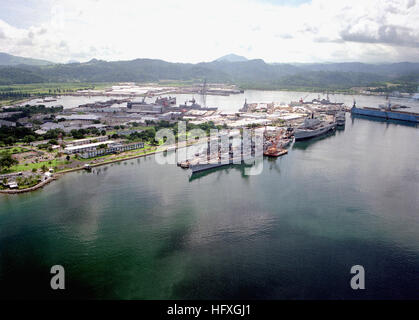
11,60
232,58
254,73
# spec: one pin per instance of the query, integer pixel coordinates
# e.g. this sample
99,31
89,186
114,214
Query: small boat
185,164
275,153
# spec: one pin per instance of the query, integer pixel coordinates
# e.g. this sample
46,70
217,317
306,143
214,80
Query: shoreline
62,173
118,95
33,188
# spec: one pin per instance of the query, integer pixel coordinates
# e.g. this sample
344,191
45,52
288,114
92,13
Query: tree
150,133
29,139
53,141
77,134
6,161
9,141
54,134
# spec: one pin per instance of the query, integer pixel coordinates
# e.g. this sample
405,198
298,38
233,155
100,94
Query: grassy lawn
43,89
30,166
147,148
139,128
47,88
13,150
127,128
8,102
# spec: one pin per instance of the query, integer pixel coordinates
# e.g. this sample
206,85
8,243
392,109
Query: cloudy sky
194,30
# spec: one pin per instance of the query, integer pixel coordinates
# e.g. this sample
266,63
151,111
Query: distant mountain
10,60
255,73
387,69
232,58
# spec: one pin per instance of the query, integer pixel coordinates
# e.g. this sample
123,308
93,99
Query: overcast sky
195,31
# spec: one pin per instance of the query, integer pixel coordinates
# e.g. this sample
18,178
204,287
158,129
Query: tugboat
273,150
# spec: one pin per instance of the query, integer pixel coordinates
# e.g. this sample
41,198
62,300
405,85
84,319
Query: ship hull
308,134
207,166
390,115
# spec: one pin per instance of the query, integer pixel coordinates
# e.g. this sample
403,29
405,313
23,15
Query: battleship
313,128
386,112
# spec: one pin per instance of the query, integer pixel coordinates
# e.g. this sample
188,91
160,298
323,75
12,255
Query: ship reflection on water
304,144
388,121
221,170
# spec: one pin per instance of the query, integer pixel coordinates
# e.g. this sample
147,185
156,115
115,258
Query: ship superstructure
313,127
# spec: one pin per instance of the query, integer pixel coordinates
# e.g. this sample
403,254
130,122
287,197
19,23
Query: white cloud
193,31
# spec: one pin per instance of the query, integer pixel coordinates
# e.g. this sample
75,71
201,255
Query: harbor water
234,102
141,230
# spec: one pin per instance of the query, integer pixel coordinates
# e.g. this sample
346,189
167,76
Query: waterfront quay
56,139
136,229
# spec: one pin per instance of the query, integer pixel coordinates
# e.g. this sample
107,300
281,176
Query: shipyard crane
204,93
302,99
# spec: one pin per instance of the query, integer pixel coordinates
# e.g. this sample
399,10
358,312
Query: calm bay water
146,231
234,102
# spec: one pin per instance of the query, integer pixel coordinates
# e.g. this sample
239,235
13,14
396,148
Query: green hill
10,60
248,74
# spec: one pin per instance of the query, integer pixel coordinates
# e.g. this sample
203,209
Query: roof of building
7,123
88,139
89,145
51,125
78,117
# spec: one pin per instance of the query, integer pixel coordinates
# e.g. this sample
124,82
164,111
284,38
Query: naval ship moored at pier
313,128
386,112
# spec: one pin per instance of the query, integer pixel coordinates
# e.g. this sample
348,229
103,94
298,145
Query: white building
87,147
